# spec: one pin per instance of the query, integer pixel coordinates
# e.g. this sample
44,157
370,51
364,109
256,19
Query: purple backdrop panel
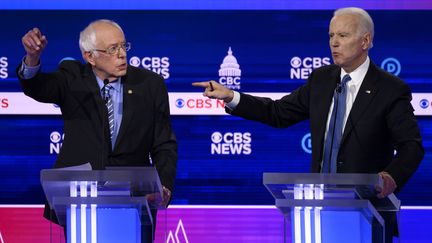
220,224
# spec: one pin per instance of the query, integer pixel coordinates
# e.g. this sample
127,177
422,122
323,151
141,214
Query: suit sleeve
164,149
284,112
406,137
45,87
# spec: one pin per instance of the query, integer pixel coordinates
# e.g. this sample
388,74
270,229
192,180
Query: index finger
200,84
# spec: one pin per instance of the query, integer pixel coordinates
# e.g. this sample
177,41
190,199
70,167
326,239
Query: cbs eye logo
424,103
216,137
180,103
56,139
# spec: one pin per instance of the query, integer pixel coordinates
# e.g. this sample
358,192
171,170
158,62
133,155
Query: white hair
87,39
366,24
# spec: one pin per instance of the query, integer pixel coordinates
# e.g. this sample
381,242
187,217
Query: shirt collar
358,74
115,84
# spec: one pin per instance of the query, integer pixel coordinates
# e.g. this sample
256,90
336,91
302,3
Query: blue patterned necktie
110,107
334,133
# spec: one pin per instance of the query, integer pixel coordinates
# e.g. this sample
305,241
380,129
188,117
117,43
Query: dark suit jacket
380,121
145,128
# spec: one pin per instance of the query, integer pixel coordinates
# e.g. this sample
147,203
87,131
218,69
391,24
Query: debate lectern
330,208
103,205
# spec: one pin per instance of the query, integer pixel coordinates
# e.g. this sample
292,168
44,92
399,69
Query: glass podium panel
325,207
98,205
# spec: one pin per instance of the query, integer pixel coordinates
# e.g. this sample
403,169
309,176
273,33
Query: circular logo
391,65
306,143
134,61
424,103
296,62
216,137
180,103
55,137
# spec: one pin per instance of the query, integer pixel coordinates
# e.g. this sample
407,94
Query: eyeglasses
112,50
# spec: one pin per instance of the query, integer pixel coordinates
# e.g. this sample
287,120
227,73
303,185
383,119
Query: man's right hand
214,90
34,43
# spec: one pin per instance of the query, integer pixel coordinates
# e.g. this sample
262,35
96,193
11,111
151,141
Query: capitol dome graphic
229,66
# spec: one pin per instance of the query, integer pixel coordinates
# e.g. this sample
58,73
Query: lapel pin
130,91
368,91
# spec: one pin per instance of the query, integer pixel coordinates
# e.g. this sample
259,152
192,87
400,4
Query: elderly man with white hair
359,114
114,114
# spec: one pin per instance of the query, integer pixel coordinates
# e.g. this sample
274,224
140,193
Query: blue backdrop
275,51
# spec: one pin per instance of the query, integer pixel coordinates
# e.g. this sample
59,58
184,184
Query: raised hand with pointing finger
214,90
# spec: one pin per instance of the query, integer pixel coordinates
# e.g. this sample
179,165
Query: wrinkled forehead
344,23
108,34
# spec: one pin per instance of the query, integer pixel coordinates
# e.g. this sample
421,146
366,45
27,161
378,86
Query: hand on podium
389,185
155,198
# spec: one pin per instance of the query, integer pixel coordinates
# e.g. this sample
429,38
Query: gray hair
366,24
87,39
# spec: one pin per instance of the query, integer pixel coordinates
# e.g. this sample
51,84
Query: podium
103,205
330,207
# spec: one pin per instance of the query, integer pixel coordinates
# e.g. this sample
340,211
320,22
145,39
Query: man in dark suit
378,117
133,130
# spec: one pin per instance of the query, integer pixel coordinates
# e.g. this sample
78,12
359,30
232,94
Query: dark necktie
334,133
110,107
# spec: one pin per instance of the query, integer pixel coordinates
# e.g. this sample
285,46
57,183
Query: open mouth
122,66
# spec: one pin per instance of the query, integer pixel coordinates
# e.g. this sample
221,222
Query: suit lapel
99,117
128,104
323,106
365,95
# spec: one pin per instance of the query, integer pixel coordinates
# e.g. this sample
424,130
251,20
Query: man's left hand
389,185
166,196
155,198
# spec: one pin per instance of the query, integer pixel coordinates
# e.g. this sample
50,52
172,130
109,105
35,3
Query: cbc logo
301,68
230,72
199,103
231,143
231,82
159,65
3,67
306,143
424,103
56,139
391,65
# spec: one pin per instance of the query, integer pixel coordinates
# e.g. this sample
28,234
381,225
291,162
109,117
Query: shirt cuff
234,102
27,72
